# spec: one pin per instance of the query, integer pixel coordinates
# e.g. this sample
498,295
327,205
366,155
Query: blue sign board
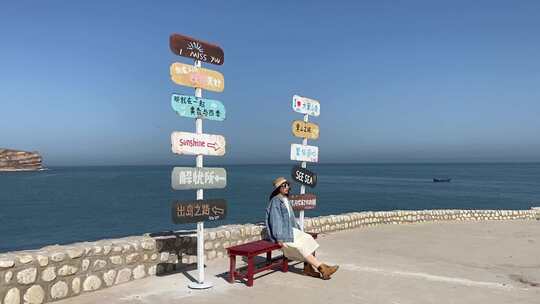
195,107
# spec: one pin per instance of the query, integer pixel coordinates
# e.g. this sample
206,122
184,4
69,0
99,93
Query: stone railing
57,272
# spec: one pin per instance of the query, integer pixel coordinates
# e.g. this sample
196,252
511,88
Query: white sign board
305,105
186,178
304,153
185,143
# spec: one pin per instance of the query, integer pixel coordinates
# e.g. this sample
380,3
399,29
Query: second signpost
304,153
198,144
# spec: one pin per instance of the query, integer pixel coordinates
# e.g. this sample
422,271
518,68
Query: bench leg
232,268
285,264
250,271
268,257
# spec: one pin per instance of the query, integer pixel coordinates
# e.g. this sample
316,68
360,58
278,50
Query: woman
282,228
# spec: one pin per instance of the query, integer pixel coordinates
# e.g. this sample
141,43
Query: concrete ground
459,262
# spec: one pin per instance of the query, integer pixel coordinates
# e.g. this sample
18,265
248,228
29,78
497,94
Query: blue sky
87,83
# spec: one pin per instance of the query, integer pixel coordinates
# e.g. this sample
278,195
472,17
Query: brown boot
309,271
326,271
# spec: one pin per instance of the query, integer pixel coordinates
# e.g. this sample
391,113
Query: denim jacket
279,225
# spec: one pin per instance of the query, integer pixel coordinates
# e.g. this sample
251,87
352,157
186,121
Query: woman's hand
282,244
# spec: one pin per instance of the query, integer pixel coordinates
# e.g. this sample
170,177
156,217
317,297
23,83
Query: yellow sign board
304,129
195,77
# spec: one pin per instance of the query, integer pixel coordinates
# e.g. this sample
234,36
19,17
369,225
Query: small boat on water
441,180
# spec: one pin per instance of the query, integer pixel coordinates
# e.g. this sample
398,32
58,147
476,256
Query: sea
63,205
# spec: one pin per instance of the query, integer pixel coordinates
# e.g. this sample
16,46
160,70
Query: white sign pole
303,188
200,195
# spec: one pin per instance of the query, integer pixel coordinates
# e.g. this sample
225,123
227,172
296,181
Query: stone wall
56,272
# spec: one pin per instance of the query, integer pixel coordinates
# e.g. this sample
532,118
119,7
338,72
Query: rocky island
13,160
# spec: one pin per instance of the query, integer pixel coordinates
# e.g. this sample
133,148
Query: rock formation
13,160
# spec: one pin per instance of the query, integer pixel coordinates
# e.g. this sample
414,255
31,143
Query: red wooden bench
250,251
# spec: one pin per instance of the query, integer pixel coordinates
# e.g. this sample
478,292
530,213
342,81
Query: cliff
13,160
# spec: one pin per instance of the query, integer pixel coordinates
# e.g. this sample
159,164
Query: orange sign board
304,129
195,77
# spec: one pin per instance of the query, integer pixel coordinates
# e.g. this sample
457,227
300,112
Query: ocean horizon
64,204
214,163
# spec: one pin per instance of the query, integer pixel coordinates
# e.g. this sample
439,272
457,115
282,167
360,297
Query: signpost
303,201
198,211
197,143
187,178
194,107
304,129
197,77
189,47
303,152
304,176
185,143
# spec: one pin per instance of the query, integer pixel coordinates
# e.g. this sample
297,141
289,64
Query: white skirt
303,245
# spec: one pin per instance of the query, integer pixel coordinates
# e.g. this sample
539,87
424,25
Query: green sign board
195,107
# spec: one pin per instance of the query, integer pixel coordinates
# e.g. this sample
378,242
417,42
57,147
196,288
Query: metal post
200,195
303,188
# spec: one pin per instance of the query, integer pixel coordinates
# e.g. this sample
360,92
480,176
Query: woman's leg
310,264
325,270
312,260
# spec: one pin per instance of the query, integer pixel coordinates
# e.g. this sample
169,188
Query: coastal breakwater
13,160
57,272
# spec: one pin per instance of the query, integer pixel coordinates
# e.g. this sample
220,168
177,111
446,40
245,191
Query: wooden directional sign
185,178
305,105
192,76
183,212
304,176
304,129
192,48
304,153
195,107
303,201
185,143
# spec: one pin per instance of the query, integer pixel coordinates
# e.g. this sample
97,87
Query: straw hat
279,181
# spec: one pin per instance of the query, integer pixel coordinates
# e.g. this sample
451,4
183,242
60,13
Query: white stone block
74,253
138,272
59,290
42,260
123,276
107,249
85,264
34,295
13,296
91,283
108,277
58,256
48,274
116,260
27,276
67,270
6,263
25,259
152,270
7,278
164,256
76,285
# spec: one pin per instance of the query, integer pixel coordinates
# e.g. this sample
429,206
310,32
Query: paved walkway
461,262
